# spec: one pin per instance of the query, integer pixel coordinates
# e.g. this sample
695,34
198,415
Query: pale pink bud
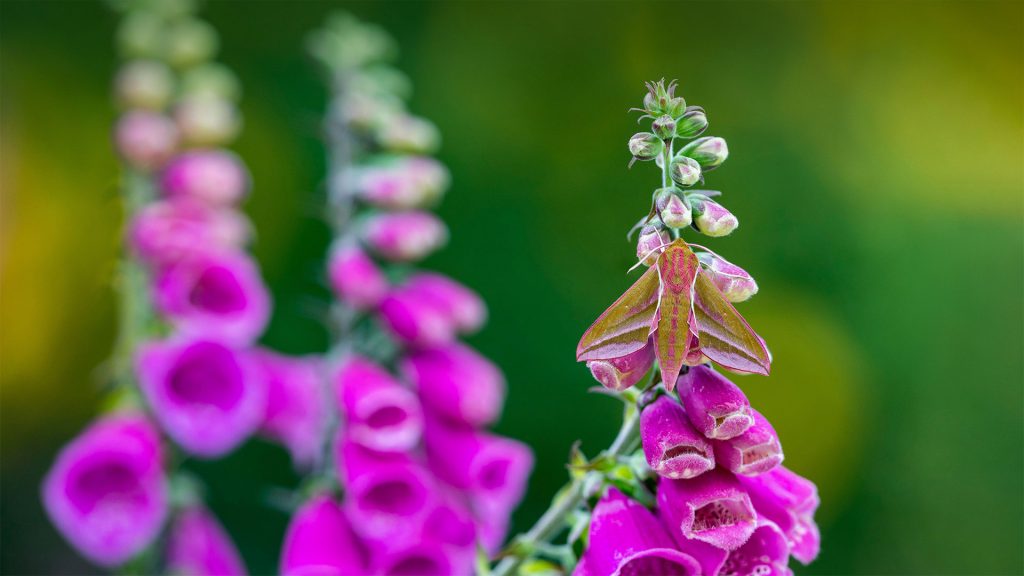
215,177
415,320
651,244
409,134
408,183
713,219
144,84
355,277
674,212
735,283
405,236
463,307
145,140
625,371
207,121
166,231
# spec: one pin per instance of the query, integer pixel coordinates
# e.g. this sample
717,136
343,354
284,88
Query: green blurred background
877,170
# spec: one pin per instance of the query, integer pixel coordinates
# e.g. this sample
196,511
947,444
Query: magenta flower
214,177
457,382
625,371
215,294
735,283
712,508
451,524
672,447
199,546
715,406
320,542
766,553
420,558
626,540
405,236
788,500
461,306
416,320
145,140
380,413
355,277
297,414
106,492
167,231
207,396
404,184
754,452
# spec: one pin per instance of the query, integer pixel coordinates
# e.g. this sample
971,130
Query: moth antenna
645,256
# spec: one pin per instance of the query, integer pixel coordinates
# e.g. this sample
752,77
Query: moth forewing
626,325
725,336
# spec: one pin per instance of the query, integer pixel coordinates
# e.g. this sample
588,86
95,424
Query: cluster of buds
424,482
194,304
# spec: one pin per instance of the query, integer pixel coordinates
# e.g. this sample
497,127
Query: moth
678,306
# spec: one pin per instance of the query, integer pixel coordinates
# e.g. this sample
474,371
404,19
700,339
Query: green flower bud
693,123
645,146
211,80
685,171
664,127
709,151
191,42
144,84
140,35
661,99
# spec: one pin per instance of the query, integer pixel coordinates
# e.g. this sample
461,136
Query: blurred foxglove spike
457,382
297,413
380,413
320,540
145,140
404,236
214,177
355,278
199,545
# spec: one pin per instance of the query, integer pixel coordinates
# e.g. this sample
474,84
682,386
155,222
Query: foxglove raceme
405,236
713,219
145,140
712,508
672,447
106,492
457,382
206,395
199,546
623,372
714,405
167,231
735,283
320,542
355,277
627,540
297,413
788,500
214,294
214,177
380,413
755,451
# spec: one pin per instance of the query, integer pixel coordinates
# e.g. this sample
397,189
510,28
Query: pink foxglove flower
420,558
415,320
165,232
215,294
297,413
463,308
754,452
402,184
106,492
788,500
712,508
625,371
207,395
626,539
405,236
320,542
380,414
458,383
355,277
674,449
766,553
715,406
199,546
214,177
145,140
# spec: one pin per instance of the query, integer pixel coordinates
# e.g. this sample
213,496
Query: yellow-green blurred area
876,168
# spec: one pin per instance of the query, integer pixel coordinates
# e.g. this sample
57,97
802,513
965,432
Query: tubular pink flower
710,558
422,558
167,231
463,307
355,278
380,413
715,406
712,508
106,492
214,177
206,395
623,372
765,554
672,447
320,542
451,524
405,236
297,414
215,294
416,320
754,452
627,540
788,500
404,184
493,469
199,546
735,283
145,140
457,382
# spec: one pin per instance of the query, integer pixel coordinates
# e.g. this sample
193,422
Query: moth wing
725,337
625,326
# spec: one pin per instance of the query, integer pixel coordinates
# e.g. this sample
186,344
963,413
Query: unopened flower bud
713,219
190,42
715,406
672,447
355,278
198,544
673,210
207,121
735,283
409,134
145,140
664,126
661,99
685,171
651,243
405,236
211,80
625,371
645,146
709,151
144,84
754,452
212,177
693,123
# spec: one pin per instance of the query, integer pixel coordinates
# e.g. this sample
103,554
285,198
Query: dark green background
877,170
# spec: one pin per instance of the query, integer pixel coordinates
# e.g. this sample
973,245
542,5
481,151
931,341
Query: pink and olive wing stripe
725,337
625,325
